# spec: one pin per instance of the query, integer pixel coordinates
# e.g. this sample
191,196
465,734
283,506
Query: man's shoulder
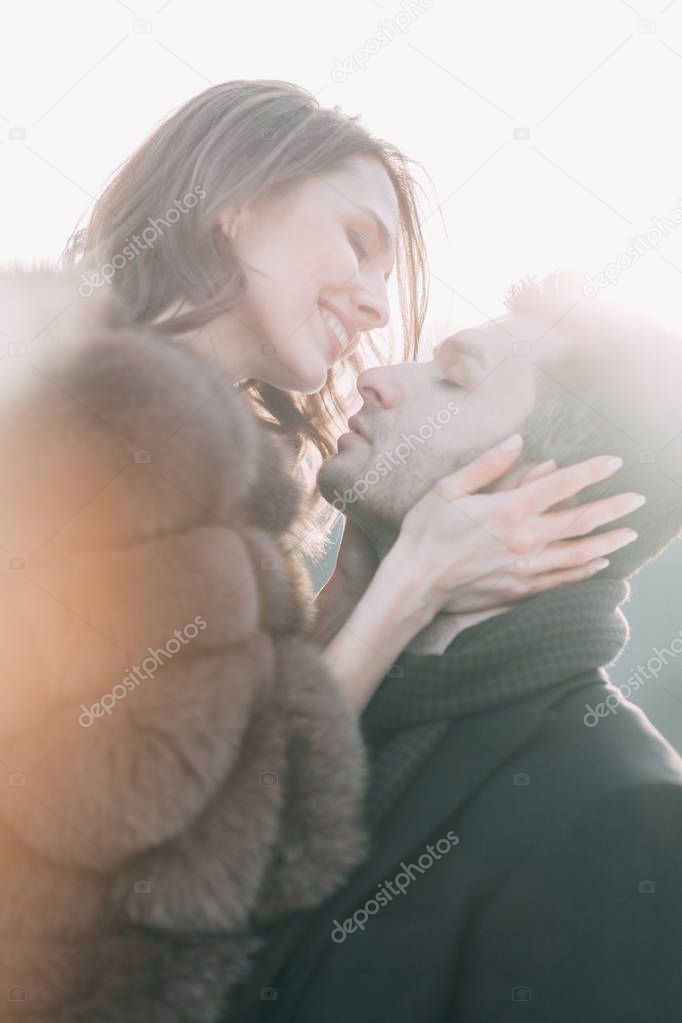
635,778
544,757
616,782
613,740
583,864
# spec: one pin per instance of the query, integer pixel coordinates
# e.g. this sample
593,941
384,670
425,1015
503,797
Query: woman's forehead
363,180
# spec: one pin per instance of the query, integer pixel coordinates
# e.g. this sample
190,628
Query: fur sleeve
131,650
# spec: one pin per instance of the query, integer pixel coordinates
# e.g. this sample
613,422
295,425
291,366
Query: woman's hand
466,551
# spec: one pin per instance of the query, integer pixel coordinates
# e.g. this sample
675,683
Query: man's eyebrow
461,348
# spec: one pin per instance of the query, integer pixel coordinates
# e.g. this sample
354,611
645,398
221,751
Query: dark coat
561,900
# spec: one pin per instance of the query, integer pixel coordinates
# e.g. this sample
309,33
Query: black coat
562,898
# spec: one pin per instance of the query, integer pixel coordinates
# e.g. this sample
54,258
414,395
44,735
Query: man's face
420,421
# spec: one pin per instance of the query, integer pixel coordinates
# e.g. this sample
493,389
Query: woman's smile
336,327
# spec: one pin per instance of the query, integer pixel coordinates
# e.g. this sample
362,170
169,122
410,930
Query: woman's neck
231,345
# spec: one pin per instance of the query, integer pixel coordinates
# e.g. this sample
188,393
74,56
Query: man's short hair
610,383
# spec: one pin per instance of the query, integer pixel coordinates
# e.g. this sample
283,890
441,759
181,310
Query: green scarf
546,641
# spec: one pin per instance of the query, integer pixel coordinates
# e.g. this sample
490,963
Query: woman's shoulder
136,486
85,388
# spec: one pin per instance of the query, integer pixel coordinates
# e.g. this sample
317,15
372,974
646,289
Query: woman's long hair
235,141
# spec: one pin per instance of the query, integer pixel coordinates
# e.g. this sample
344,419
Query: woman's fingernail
601,564
628,536
614,463
512,443
636,501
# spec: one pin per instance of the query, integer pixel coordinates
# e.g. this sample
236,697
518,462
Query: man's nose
380,386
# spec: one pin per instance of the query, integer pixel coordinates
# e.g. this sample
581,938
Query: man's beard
374,502
376,489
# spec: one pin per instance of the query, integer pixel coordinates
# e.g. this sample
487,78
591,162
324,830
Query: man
526,820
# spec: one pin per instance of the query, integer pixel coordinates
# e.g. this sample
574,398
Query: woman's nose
380,386
373,307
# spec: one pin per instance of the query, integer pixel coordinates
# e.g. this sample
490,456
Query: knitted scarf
549,640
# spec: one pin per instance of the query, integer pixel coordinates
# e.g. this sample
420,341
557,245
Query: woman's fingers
483,471
564,483
586,518
509,587
550,580
537,472
563,554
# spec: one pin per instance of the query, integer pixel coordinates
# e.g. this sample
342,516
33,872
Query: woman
276,271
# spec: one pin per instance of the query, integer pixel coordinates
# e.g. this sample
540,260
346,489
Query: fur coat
178,765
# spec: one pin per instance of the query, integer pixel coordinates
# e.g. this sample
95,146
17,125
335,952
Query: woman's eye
358,245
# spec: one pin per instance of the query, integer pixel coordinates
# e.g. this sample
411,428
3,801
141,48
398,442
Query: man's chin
347,485
336,481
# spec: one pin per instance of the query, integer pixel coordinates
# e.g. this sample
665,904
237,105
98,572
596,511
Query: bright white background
549,134
596,85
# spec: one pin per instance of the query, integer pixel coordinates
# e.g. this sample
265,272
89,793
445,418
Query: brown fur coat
178,764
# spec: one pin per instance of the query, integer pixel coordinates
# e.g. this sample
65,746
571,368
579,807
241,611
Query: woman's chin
304,378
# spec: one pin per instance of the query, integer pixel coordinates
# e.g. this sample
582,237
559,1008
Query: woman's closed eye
361,249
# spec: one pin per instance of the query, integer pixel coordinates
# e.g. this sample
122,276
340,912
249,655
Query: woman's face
316,261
